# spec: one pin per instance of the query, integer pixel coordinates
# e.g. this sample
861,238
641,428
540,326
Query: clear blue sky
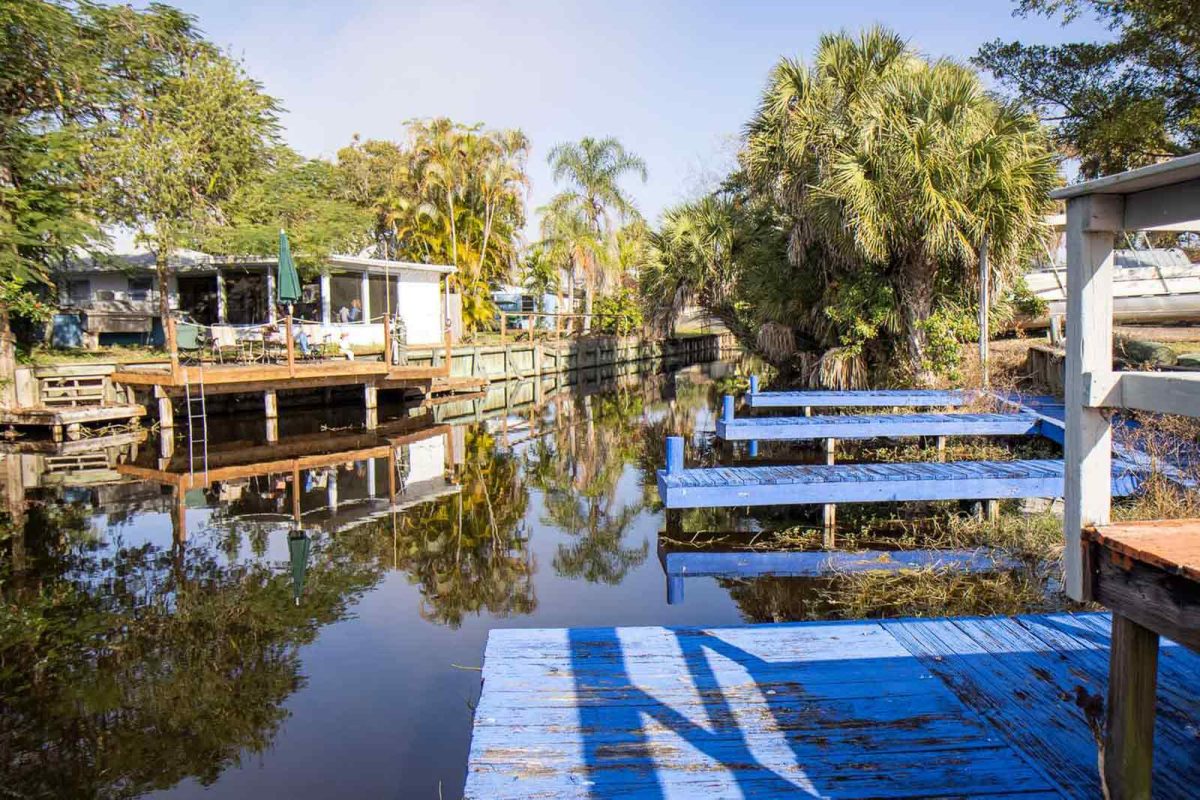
673,80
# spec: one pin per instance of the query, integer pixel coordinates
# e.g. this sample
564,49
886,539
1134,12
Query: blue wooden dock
973,707
873,426
717,487
693,563
881,398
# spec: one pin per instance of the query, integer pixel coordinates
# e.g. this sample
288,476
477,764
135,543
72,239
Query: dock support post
271,407
807,411
371,399
753,384
752,448
829,510
941,448
674,454
1129,729
166,424
674,589
991,510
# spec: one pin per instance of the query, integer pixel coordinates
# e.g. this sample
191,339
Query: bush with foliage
619,314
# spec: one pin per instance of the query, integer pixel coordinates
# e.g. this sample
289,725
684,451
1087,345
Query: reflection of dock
914,708
679,562
333,479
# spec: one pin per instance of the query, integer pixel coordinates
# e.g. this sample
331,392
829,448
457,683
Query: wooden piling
371,401
271,407
1129,732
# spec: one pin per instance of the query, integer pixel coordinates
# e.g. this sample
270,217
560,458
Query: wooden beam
1129,733
1088,445
1161,392
1164,208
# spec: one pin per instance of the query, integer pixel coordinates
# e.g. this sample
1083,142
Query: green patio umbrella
299,546
288,280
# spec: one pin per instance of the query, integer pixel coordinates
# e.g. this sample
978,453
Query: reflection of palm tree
579,475
468,553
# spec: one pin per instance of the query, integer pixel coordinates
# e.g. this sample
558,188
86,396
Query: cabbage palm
893,172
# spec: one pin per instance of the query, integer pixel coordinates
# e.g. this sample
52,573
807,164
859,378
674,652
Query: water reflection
288,620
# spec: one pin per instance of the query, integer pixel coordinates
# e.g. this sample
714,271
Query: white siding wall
426,459
420,304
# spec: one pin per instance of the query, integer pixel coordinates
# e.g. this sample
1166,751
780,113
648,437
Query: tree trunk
164,305
915,292
587,306
8,362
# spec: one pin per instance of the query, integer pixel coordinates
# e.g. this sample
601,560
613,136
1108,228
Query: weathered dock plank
872,483
908,708
680,564
873,426
881,398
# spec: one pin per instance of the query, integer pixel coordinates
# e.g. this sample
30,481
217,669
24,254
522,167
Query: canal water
307,619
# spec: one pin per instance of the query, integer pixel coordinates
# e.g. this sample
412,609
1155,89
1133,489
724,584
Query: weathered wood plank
876,426
882,398
867,483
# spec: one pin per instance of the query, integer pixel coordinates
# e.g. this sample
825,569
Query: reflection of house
118,295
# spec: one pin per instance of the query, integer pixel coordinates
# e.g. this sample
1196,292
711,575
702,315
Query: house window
345,297
79,292
139,289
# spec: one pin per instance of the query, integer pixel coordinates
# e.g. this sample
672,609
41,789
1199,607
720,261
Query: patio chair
191,339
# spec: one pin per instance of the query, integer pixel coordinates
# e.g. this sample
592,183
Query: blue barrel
67,331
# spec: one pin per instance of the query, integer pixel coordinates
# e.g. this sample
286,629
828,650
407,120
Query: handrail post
727,409
753,384
674,455
388,348
291,347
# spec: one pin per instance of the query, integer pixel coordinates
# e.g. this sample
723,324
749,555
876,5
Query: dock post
371,399
271,407
166,424
674,455
752,448
829,510
753,384
807,411
1129,728
674,589
941,448
727,408
991,510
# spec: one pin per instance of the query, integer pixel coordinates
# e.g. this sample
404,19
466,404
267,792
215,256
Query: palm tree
570,241
592,170
893,171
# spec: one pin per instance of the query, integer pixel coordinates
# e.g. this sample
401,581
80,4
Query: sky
674,81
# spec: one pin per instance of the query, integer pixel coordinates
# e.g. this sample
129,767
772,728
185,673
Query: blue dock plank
680,564
812,563
906,708
871,483
881,398
872,426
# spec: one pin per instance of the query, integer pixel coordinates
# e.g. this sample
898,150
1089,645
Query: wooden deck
728,563
872,426
236,378
871,483
975,707
883,398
